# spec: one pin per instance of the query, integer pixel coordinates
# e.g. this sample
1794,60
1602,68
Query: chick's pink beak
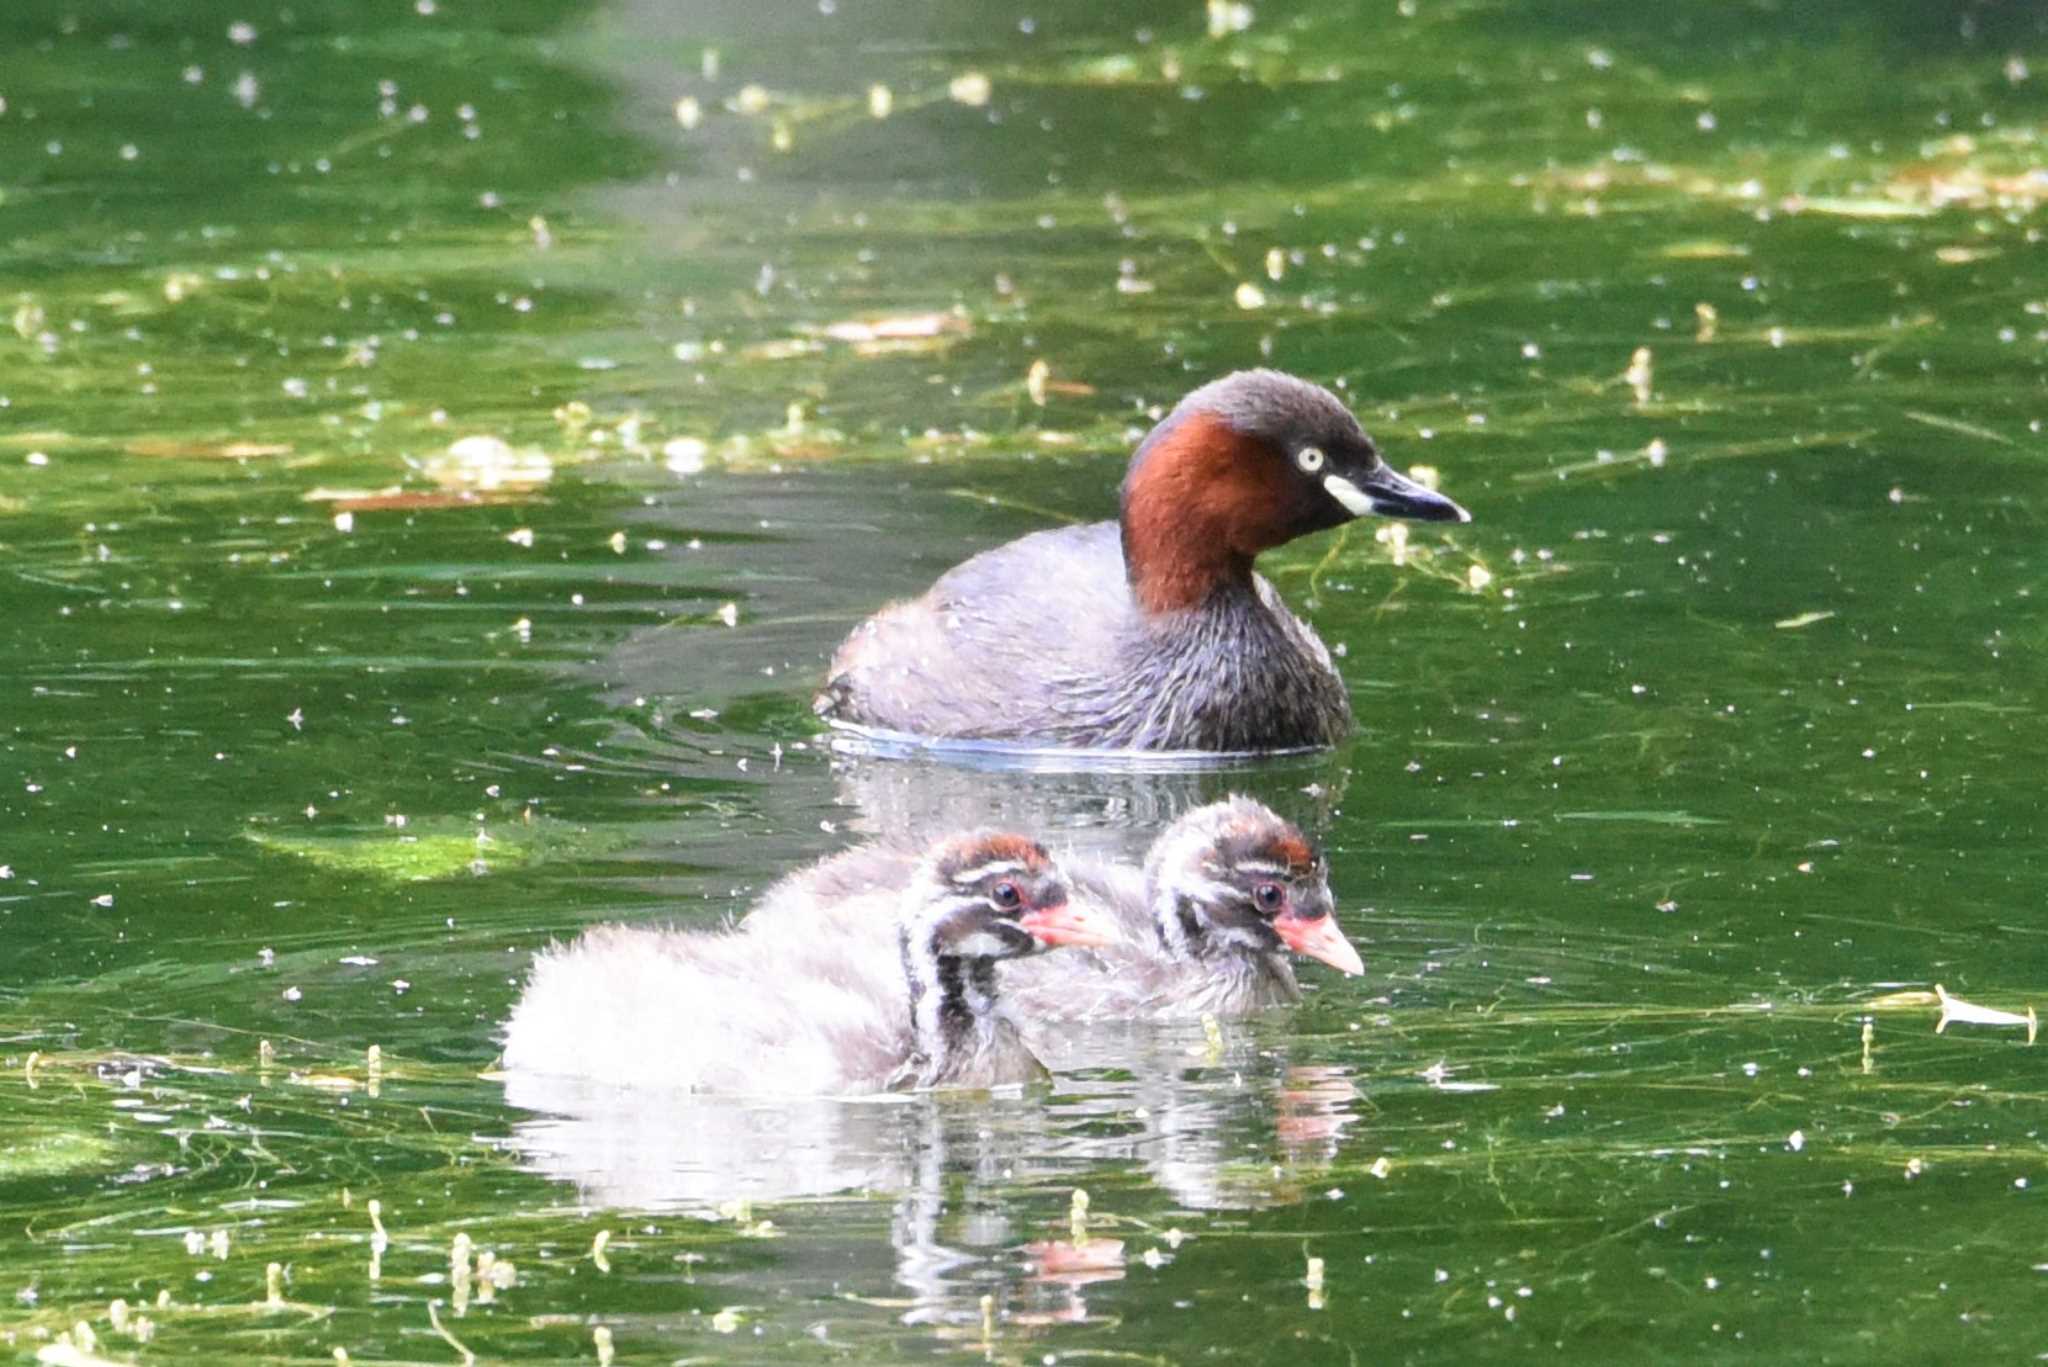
1064,923
1319,938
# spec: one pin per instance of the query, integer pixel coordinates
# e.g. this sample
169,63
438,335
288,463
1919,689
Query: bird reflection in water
1217,1120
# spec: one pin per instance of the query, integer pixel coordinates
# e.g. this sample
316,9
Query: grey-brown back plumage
1042,640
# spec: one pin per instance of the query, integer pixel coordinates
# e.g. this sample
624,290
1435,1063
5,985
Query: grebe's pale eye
1309,458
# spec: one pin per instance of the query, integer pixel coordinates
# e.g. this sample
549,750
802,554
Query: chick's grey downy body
796,1008
1061,653
652,1007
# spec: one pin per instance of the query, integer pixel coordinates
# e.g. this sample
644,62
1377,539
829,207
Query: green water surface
440,441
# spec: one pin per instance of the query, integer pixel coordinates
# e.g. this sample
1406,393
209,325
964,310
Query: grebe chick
1205,928
762,1009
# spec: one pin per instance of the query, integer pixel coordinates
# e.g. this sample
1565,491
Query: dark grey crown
1279,409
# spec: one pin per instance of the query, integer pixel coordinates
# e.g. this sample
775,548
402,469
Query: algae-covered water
439,443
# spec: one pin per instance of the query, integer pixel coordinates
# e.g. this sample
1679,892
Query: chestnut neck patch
1199,505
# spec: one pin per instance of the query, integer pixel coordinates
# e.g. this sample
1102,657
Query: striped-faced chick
975,899
1235,877
994,895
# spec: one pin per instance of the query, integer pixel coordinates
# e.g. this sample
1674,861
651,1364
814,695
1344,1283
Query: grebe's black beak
1389,493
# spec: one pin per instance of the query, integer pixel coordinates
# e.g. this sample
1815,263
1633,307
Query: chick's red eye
1006,896
1269,896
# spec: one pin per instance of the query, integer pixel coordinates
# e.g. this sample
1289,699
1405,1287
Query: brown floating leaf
899,327
1850,206
185,448
970,88
43,439
1064,1261
881,335
1703,250
780,349
489,464
1935,186
1035,381
394,498
803,450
